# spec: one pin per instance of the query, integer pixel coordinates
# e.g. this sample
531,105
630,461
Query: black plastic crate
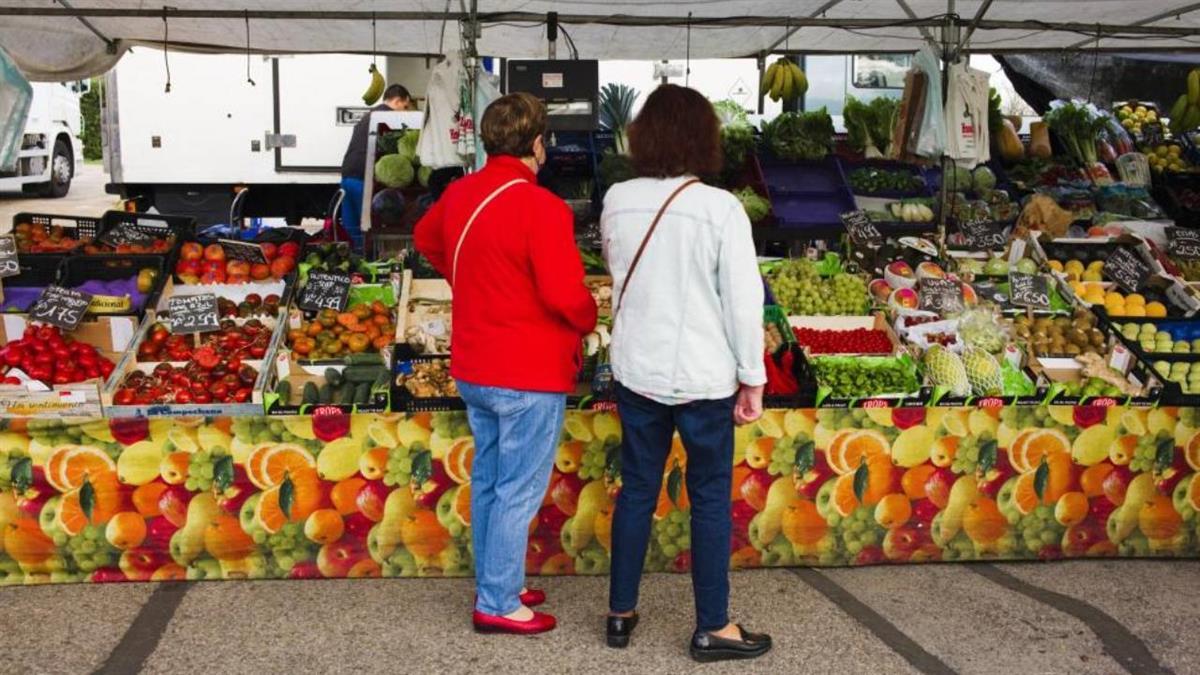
404,401
37,272
78,269
86,227
156,225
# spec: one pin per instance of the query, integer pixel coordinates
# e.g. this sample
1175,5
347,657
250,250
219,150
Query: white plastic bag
968,141
932,140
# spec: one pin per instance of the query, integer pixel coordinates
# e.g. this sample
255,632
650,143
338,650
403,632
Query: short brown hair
512,123
676,133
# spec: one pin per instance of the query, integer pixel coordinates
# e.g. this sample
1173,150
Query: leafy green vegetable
616,110
983,179
795,135
394,171
756,207
869,125
995,114
1078,125
731,113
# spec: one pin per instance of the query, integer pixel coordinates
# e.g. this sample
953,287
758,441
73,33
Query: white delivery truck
282,138
50,146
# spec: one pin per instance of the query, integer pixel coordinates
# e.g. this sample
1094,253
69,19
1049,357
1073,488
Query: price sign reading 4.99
9,265
62,307
1029,290
324,290
194,313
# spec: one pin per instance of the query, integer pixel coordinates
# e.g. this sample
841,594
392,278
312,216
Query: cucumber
325,394
334,377
284,390
362,359
346,394
310,394
362,394
357,374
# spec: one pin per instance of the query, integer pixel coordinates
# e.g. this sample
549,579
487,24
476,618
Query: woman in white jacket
687,354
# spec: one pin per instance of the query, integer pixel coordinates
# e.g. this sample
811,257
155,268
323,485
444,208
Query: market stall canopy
67,40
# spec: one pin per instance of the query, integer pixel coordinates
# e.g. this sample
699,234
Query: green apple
825,500
1180,499
1027,266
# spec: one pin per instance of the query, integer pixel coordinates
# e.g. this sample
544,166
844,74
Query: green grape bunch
1146,452
673,533
1039,529
800,290
88,550
400,464
859,530
201,469
595,457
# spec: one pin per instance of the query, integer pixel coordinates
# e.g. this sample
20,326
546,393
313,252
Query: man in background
395,97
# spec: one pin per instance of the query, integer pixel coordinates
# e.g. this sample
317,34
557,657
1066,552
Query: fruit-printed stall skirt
389,495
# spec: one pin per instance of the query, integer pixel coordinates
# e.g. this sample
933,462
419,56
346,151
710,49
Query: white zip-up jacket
690,327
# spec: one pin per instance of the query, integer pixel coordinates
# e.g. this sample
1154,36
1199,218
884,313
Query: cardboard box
111,335
876,321
419,301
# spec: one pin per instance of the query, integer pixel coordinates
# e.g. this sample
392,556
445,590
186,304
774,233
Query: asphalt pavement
1080,617
86,198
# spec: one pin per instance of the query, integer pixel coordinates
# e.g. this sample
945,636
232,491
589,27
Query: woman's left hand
749,405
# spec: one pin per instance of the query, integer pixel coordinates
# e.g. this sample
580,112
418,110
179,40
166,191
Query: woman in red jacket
520,312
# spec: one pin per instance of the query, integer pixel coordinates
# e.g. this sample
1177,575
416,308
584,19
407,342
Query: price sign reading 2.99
62,307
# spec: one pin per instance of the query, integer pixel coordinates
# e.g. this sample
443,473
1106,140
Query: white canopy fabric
48,42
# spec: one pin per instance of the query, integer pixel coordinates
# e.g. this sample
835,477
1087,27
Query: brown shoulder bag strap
646,240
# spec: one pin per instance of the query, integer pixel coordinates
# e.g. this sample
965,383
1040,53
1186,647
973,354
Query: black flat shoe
619,630
707,647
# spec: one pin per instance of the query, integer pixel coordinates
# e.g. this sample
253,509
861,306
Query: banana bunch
1185,114
783,81
375,89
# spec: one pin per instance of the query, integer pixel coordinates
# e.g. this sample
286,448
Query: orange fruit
913,480
1091,481
879,478
1121,453
1191,452
462,505
345,495
1158,518
145,498
665,505
850,446
372,464
739,474
1071,508
71,517
944,450
893,510
1024,495
54,465
224,539
1193,492
802,524
307,498
423,535
169,572
126,530
324,526
1031,445
255,463
458,459
983,522
745,557
365,569
79,462
844,499
174,467
287,460
1061,478
25,542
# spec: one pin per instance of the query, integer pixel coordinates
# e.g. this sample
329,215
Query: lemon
1063,414
911,447
12,442
1134,422
956,422
383,434
796,422
1134,310
139,463
210,438
99,430
240,451
160,427
979,422
300,427
1135,299
39,453
1174,150
1114,297
339,459
1005,435
1162,151
604,425
1160,420
822,436
183,440
1055,265
577,428
1092,444
770,426
881,416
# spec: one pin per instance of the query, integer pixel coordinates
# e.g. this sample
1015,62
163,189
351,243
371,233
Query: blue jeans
647,428
352,211
516,435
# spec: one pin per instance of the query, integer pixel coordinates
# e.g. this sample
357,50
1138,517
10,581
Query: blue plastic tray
823,176
812,210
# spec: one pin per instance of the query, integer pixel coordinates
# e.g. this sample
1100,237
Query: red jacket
520,306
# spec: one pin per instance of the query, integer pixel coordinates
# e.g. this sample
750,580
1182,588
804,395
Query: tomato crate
308,331
875,322
81,229
111,336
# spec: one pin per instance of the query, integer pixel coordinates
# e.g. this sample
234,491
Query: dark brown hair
512,123
676,133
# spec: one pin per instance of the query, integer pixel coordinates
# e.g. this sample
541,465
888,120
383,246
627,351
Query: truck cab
50,147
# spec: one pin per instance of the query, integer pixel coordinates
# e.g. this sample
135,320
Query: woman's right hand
749,405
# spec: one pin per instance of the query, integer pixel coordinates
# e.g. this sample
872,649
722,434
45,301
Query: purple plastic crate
821,176
889,165
812,210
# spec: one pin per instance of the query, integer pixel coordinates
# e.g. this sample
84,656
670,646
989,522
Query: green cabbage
407,145
984,179
756,207
423,175
394,171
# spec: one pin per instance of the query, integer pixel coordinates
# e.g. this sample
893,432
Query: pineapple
946,370
983,372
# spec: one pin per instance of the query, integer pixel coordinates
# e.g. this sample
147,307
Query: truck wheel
61,172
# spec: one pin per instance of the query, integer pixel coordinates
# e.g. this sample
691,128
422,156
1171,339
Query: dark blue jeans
647,427
352,214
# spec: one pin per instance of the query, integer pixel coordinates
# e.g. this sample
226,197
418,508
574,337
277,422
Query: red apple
1170,476
565,492
1080,537
540,549
138,564
809,484
682,562
356,527
281,266
371,498
1115,484
306,569
1100,509
937,486
269,250
1086,416
174,504
158,534
105,575
754,488
1050,552
996,476
428,493
335,560
899,543
870,555
923,511
214,252
550,520
904,418
237,268
260,271
290,249
191,251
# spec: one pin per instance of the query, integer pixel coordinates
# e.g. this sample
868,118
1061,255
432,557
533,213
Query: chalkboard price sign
1183,243
324,290
242,250
62,307
861,230
126,234
194,313
983,234
9,265
943,296
1127,269
1029,290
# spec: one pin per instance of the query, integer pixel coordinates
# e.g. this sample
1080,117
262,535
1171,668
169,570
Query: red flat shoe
530,598
533,597
486,623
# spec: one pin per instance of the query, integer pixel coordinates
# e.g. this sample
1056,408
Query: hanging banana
783,81
375,89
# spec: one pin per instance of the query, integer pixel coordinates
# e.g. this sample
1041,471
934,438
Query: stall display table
374,495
